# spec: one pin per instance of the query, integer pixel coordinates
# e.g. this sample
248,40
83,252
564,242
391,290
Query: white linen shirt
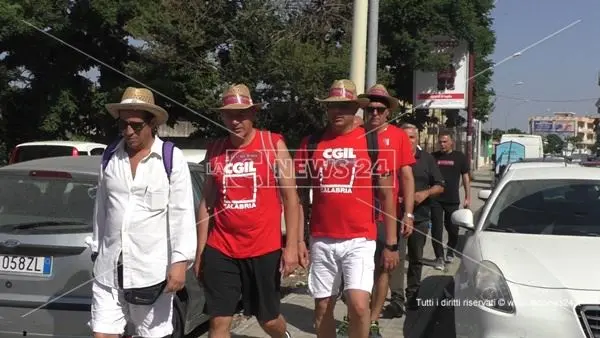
151,222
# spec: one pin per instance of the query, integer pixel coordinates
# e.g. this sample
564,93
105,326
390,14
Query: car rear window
54,202
27,153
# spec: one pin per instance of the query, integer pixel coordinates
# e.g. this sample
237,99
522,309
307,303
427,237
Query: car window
198,177
26,200
553,207
27,153
97,151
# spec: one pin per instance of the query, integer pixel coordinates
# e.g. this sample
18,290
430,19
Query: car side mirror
463,218
484,194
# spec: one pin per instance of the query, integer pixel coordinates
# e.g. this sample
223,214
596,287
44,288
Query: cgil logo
239,168
339,153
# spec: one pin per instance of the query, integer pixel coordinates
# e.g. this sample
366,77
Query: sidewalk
298,306
484,174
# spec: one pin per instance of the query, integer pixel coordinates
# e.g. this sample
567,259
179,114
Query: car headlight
491,289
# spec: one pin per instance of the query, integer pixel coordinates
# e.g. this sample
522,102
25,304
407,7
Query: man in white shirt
144,224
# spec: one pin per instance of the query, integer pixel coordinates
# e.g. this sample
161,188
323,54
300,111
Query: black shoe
393,310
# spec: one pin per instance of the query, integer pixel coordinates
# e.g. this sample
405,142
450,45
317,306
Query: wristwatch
392,247
409,215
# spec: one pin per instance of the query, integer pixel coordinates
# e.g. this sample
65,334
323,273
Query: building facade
566,126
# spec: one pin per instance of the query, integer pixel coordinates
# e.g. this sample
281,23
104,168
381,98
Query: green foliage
287,52
553,144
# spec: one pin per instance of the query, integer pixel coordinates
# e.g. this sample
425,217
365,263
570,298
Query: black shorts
256,281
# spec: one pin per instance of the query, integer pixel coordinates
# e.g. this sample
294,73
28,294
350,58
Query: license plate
26,265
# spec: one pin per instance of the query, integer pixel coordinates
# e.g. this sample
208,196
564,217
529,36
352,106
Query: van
42,149
534,145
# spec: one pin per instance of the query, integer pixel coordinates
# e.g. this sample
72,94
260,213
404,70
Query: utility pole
471,87
359,46
373,39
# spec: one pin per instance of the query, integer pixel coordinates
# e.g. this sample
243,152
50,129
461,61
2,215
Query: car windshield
45,204
547,207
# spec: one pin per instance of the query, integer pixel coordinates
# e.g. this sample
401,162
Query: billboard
562,128
446,89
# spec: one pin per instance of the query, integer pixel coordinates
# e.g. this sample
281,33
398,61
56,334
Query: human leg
261,291
324,281
109,312
358,267
437,233
452,230
395,309
415,245
222,290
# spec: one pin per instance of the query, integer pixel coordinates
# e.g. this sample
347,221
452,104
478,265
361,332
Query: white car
42,149
533,163
531,262
194,155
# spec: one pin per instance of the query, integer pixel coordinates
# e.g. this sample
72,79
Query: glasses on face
135,126
379,110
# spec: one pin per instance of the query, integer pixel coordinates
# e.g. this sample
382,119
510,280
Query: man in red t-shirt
394,139
342,224
250,174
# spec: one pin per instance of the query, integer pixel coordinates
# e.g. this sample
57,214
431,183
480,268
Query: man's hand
198,268
389,259
176,277
421,196
467,203
303,257
289,261
407,226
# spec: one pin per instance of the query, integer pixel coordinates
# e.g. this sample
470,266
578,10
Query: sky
561,69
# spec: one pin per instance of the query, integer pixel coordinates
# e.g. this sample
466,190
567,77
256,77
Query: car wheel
178,318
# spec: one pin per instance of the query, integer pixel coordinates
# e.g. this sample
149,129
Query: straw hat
344,91
379,92
238,97
138,99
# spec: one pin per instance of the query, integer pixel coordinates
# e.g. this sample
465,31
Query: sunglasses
371,110
135,126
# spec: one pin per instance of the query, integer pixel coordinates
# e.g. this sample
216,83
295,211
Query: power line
508,97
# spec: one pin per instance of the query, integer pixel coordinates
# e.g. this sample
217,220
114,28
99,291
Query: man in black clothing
453,165
428,183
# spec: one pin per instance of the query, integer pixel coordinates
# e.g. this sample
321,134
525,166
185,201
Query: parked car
530,261
42,149
46,208
194,155
543,162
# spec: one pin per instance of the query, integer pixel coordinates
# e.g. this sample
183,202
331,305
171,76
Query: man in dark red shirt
391,139
249,172
342,224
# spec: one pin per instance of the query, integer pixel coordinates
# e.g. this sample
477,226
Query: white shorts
332,258
110,313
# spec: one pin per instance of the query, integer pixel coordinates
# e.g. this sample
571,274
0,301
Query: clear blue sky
562,68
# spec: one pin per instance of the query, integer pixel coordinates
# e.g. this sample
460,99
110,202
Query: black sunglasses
379,110
136,126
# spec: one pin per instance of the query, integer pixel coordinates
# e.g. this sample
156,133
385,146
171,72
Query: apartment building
566,125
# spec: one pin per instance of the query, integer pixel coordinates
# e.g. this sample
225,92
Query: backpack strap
373,149
109,152
167,156
269,146
311,146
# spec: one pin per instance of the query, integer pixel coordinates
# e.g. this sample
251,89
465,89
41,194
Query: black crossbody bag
139,296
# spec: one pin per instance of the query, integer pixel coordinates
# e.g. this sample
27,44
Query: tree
497,134
406,27
553,144
515,131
